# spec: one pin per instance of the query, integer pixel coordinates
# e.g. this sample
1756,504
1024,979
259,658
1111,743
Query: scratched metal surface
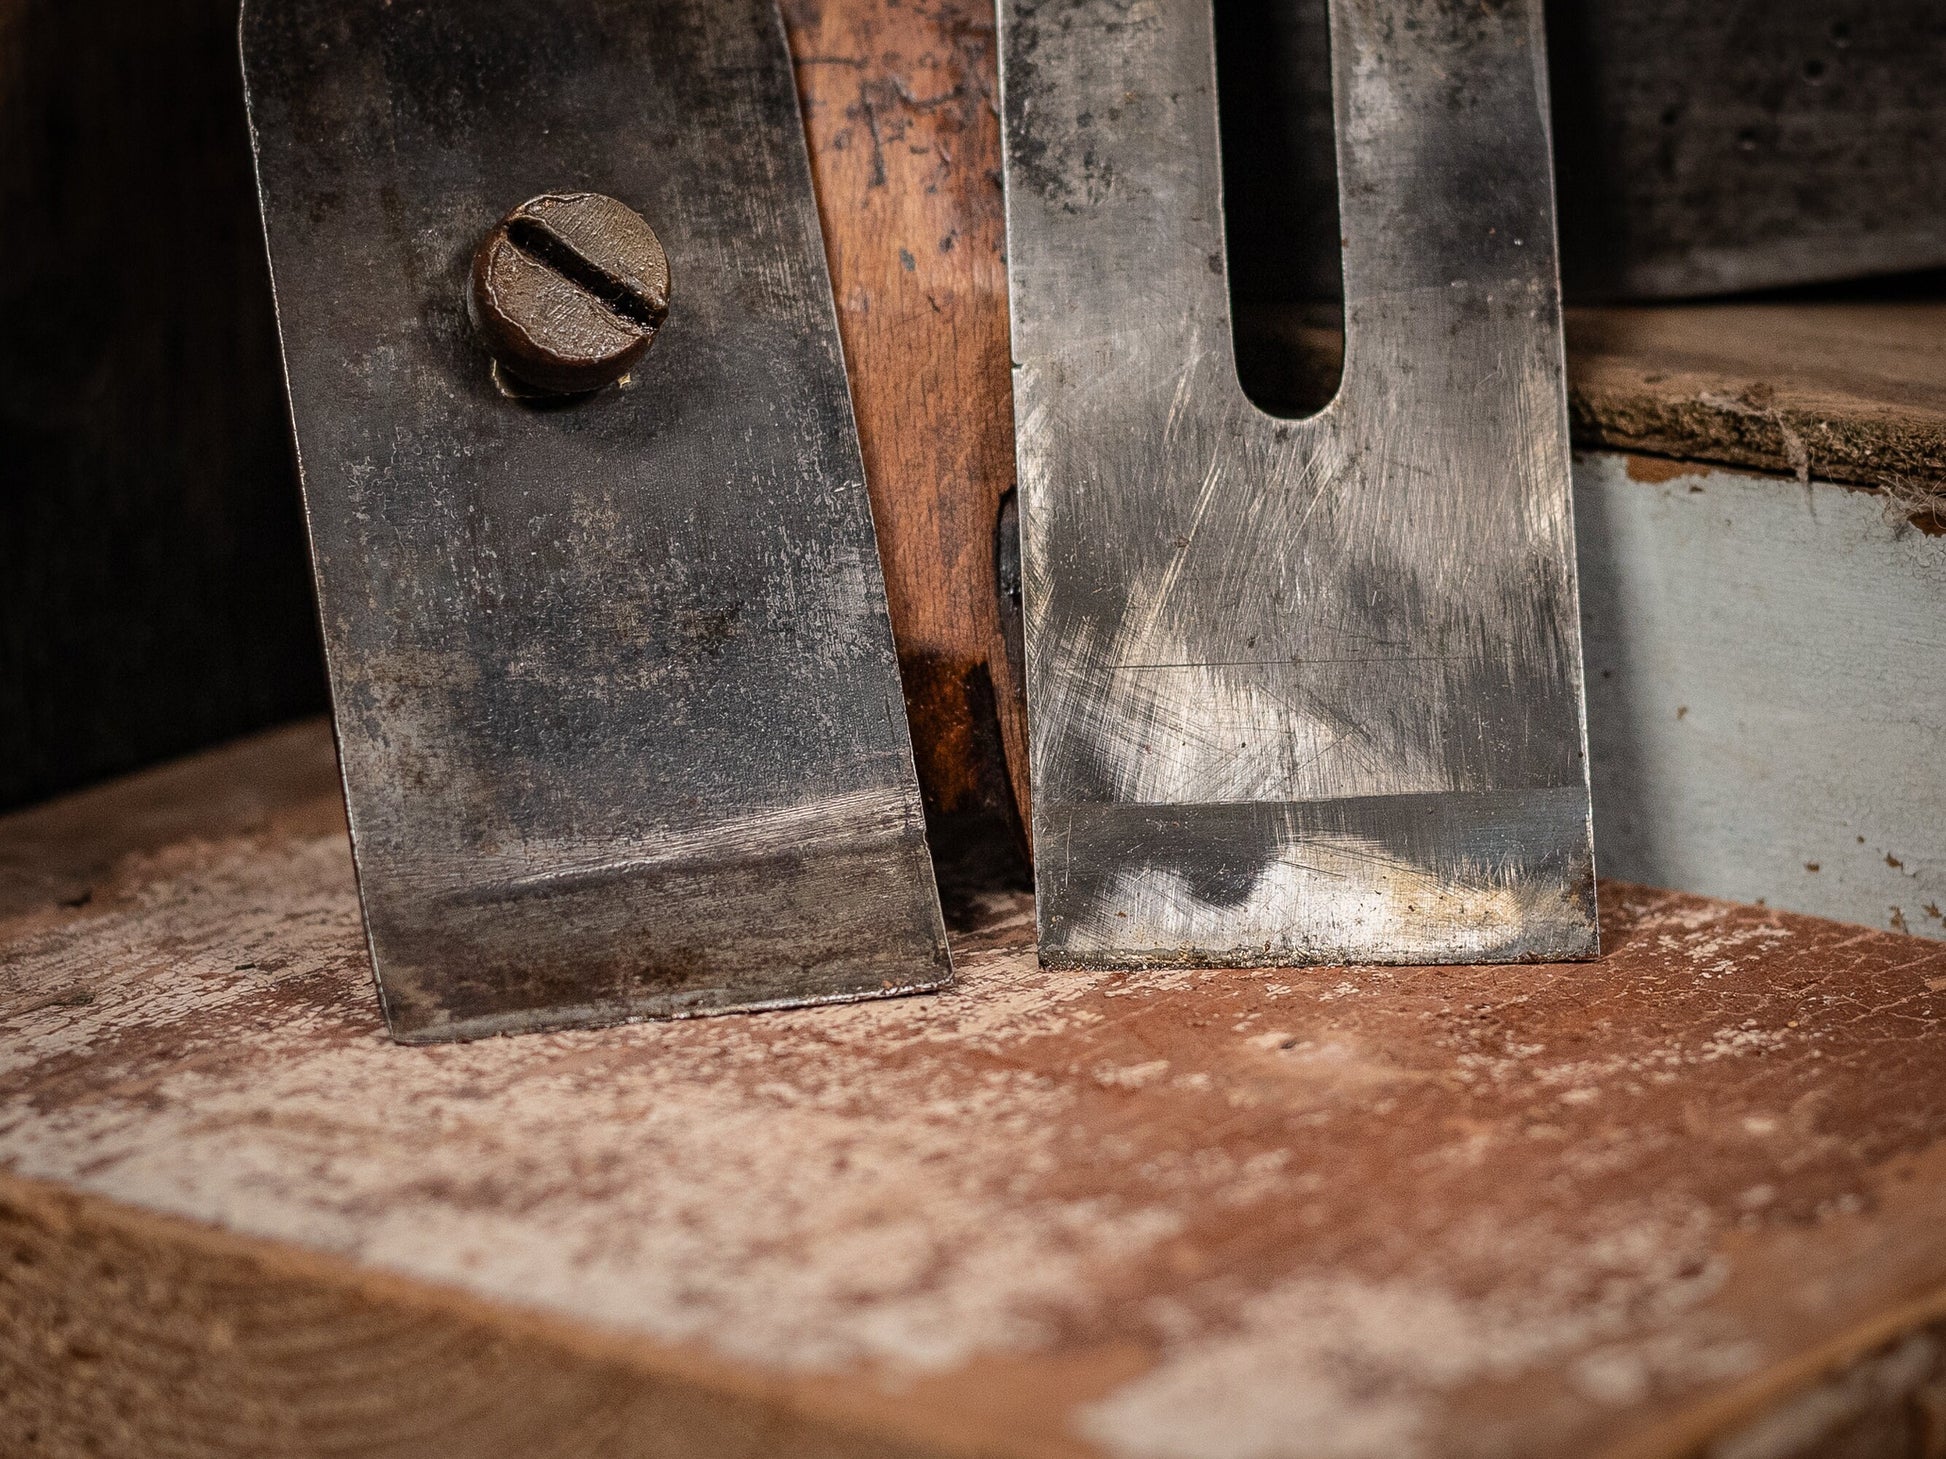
617,707
1299,690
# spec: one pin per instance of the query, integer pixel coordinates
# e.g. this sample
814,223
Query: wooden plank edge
1632,400
1752,1419
123,1330
1714,421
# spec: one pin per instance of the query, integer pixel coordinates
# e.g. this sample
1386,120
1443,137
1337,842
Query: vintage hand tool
617,706
1300,690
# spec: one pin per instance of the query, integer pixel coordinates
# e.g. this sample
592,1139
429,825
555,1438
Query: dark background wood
1701,146
154,594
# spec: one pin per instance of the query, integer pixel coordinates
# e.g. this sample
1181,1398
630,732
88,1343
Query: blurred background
154,594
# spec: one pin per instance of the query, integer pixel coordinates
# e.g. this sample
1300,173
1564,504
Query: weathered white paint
1766,692
1370,1213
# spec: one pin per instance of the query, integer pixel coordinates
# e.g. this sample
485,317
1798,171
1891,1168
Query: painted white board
1766,691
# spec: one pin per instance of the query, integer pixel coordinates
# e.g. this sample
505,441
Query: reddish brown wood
905,146
1645,1208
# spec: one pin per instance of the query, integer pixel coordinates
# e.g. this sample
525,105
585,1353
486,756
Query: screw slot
534,239
568,292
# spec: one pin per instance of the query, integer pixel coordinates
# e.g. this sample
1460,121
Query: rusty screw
568,291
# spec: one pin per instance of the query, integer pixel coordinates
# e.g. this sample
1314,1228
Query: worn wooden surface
1629,1208
1839,391
899,111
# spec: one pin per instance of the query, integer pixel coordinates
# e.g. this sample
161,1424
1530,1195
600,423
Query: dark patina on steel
1300,690
568,291
619,718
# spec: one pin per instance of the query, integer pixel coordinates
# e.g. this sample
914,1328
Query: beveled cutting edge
620,723
1299,690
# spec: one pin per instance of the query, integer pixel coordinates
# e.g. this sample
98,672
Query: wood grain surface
1640,1207
1850,392
899,110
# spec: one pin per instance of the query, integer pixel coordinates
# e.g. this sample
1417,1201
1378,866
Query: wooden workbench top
1675,1199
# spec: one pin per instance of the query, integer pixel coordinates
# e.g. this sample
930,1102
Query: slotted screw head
568,291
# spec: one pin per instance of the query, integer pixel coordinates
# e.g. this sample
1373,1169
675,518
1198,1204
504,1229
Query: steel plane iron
618,713
1300,690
